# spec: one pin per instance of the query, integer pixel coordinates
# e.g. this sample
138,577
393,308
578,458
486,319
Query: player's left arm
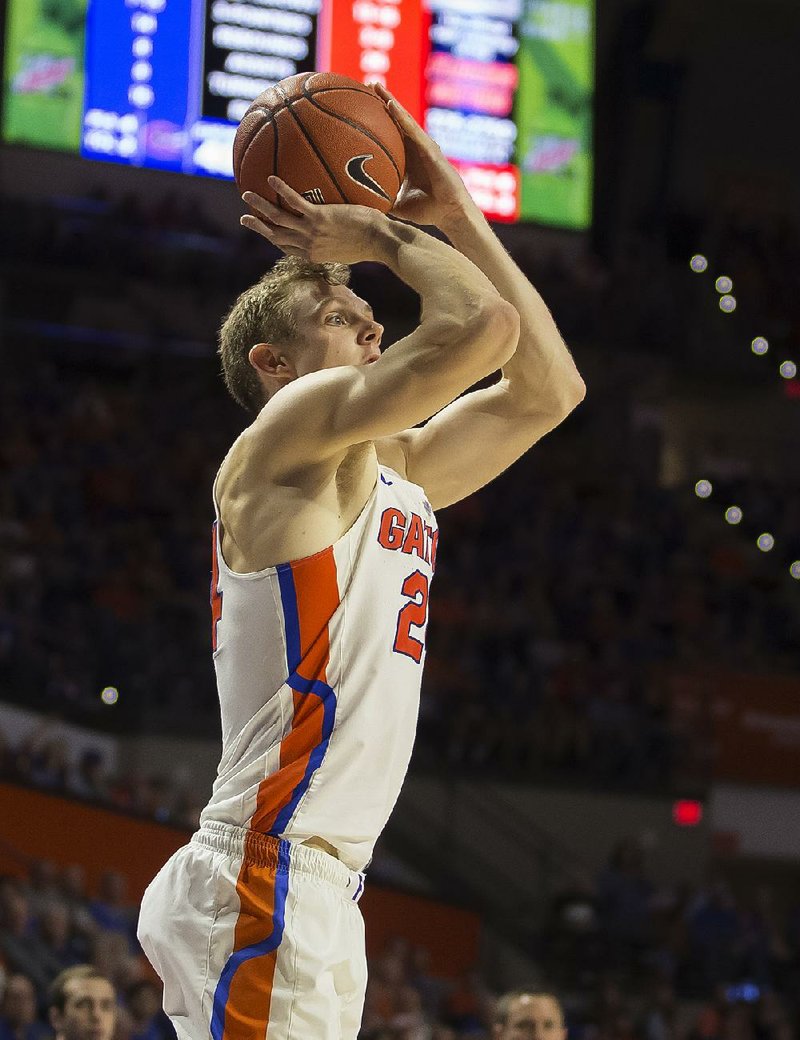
477,437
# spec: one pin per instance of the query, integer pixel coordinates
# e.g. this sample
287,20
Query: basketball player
324,547
529,1014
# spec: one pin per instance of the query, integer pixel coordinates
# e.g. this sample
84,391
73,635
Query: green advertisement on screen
553,112
44,74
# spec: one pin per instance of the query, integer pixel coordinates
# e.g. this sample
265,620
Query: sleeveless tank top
318,666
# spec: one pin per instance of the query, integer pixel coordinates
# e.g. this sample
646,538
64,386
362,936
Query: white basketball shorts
256,938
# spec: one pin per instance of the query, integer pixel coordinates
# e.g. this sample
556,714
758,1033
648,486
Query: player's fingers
258,204
274,214
295,199
411,129
276,235
279,236
253,224
382,92
391,102
407,122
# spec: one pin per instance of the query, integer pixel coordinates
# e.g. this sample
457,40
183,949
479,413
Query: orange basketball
330,138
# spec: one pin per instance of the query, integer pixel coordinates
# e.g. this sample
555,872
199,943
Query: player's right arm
466,332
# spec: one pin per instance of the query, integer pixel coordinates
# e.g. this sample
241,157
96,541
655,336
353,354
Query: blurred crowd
46,760
693,941
630,961
566,594
49,922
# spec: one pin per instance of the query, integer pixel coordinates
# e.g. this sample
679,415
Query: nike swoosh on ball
356,172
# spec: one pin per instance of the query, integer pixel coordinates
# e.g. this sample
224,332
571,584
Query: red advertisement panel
494,187
382,41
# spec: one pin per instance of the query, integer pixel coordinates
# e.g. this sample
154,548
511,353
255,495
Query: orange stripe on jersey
317,591
310,598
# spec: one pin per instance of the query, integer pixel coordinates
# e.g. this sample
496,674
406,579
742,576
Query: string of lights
703,488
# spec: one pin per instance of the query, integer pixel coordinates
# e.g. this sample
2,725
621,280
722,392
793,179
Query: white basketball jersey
318,665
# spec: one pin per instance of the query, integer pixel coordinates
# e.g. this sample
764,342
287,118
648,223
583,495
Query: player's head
300,317
82,1004
528,1014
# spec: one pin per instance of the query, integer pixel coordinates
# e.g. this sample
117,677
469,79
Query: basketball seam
352,124
252,141
355,87
271,112
321,157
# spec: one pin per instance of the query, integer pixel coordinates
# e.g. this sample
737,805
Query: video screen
504,86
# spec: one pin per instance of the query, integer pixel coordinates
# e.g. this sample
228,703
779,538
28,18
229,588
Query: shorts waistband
267,851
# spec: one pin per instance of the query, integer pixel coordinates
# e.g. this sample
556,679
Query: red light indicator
687,813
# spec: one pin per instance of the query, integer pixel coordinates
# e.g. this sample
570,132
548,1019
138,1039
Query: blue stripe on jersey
259,949
314,688
297,682
291,619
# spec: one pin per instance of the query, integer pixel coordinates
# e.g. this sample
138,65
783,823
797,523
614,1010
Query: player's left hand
432,192
334,232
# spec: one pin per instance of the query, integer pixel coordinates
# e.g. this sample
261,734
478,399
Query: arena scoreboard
505,86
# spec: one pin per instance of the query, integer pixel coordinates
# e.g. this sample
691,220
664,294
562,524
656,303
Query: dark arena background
605,791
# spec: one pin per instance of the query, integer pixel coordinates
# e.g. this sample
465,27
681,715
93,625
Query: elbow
506,323
577,392
570,395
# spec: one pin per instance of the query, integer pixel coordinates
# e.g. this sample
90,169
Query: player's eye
339,318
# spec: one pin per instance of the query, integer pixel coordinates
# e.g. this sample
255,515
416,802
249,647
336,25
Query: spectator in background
55,930
624,895
431,989
89,779
715,932
43,884
529,1014
111,954
18,1011
49,764
468,1005
147,1019
82,1005
112,911
23,950
74,893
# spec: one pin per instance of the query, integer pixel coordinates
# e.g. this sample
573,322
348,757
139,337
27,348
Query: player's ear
56,1018
272,361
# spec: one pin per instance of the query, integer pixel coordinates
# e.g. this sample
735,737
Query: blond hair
265,313
57,994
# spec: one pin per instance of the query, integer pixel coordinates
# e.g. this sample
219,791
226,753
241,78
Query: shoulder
295,428
274,445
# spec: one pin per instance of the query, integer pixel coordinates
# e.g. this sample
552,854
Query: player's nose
372,333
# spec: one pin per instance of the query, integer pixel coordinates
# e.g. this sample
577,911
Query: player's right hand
321,234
